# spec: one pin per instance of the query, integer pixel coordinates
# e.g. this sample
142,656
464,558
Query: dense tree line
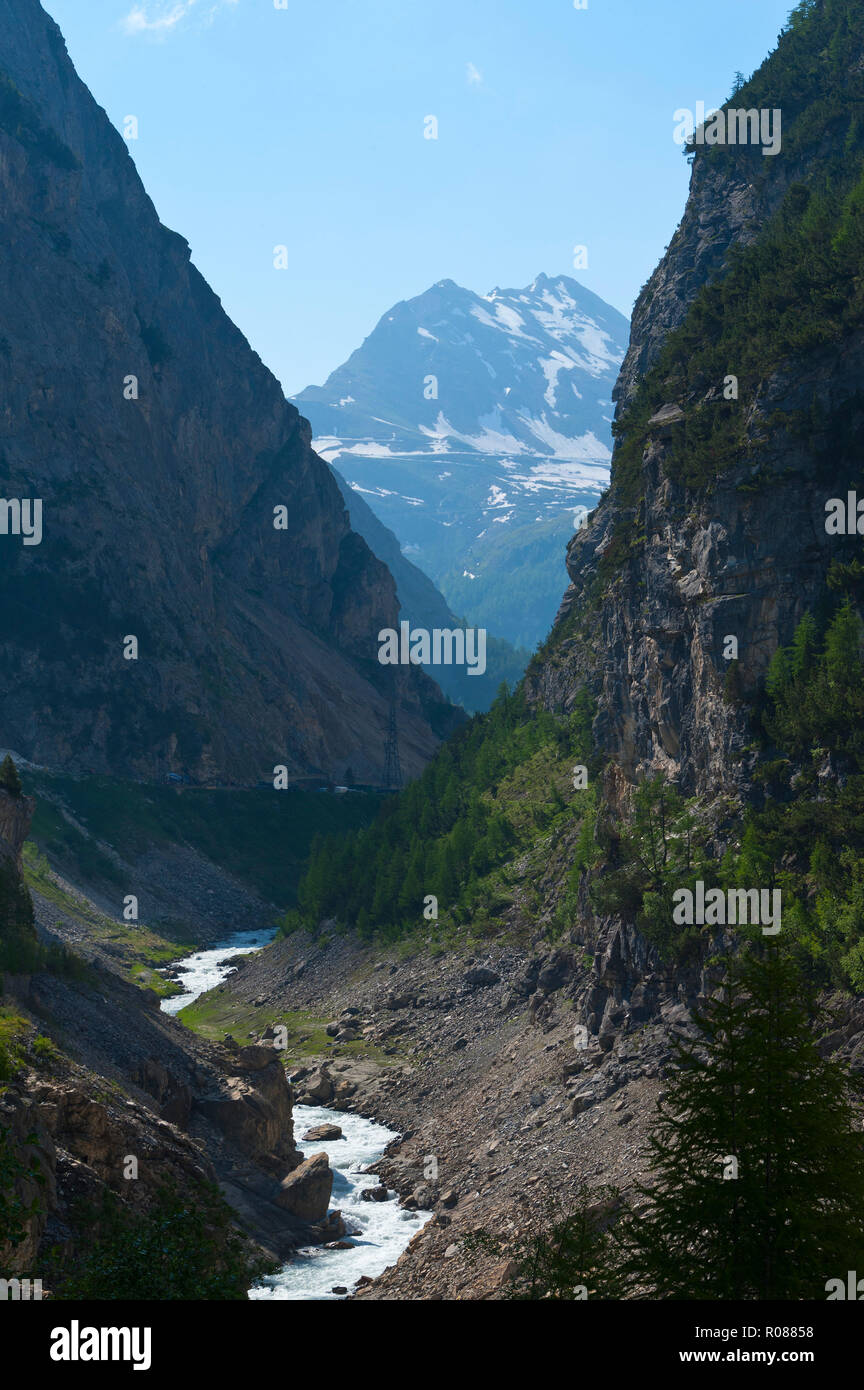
444,832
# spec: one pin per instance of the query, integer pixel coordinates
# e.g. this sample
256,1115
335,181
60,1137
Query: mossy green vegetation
14,1029
22,1045
805,835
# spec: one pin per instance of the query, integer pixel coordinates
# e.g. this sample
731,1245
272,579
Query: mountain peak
473,425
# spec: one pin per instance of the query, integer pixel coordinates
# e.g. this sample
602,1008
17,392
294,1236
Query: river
206,969
378,1232
381,1230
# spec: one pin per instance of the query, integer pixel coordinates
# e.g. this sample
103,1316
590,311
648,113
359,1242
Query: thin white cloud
161,19
474,75
140,20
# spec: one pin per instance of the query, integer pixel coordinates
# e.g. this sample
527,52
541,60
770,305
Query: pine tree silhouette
757,1154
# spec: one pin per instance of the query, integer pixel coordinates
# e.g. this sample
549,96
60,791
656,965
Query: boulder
400,1000
554,971
305,1193
322,1133
254,1109
527,980
173,1095
254,1057
479,978
319,1086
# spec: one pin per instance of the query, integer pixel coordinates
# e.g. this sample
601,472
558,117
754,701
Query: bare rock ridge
159,445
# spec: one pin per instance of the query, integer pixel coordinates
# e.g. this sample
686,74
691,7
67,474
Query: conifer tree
757,1157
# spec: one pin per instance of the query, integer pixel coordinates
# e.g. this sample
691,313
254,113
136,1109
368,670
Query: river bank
377,1231
207,968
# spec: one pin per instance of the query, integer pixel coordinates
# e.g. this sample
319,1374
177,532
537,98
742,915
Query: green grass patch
218,1012
134,945
13,1037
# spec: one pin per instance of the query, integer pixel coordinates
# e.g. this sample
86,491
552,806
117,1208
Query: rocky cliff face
740,414
127,1080
671,566
16,813
17,935
158,446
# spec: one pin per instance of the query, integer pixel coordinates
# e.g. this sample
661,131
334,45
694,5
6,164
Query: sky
305,126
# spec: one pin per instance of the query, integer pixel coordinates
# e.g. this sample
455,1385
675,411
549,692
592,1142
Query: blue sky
304,127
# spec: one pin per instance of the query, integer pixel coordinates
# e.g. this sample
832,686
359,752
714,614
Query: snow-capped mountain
473,425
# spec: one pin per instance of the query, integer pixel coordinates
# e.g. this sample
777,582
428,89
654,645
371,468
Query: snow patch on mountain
512,389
